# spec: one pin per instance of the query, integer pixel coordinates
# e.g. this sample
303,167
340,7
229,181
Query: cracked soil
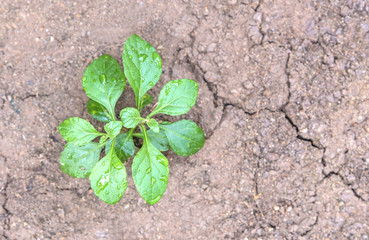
283,101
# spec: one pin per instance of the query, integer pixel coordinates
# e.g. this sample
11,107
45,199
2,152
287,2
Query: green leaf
150,172
104,82
147,99
78,131
78,161
177,97
159,140
113,128
98,111
185,137
130,117
142,66
124,146
103,138
153,124
109,178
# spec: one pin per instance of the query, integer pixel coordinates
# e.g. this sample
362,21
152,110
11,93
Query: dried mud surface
283,101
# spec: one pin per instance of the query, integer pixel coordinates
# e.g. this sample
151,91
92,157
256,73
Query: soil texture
283,101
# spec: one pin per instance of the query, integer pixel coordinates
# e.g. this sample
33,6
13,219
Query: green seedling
104,82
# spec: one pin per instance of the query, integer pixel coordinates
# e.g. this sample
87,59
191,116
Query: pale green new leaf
130,117
124,146
142,66
150,172
177,97
103,138
153,124
78,131
109,178
78,161
185,137
98,111
113,128
104,82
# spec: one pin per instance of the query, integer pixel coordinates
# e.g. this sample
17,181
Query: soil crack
311,226
348,185
6,221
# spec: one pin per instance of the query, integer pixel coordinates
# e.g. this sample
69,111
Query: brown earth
284,103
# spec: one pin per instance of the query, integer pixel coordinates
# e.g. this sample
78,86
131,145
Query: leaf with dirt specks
142,67
78,131
98,111
109,178
177,97
159,140
104,82
124,146
130,117
113,128
185,137
78,161
150,172
147,99
153,124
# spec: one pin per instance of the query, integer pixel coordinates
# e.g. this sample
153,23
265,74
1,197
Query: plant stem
139,135
143,129
113,117
130,132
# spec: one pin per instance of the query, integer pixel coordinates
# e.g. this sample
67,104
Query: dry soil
283,101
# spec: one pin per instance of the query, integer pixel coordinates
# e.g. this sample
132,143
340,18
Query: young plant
104,82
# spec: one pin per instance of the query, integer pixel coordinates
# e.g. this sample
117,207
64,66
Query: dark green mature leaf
104,82
113,128
153,124
98,111
78,161
177,97
159,140
130,117
147,99
142,66
78,131
150,172
109,178
124,146
185,137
